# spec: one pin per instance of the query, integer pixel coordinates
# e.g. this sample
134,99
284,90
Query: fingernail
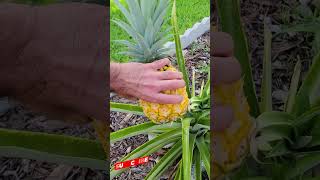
184,83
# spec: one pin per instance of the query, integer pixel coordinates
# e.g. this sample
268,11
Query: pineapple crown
144,24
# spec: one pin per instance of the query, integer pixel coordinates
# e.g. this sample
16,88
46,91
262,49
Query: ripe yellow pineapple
231,145
144,25
162,113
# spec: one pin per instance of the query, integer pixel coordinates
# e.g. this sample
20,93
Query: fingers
225,70
165,99
167,75
171,84
159,64
161,98
222,118
222,44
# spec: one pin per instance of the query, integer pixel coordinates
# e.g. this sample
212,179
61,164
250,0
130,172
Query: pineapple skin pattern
231,146
164,113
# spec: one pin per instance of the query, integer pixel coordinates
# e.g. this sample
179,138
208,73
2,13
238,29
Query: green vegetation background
188,11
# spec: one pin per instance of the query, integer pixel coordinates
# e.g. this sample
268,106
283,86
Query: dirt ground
286,47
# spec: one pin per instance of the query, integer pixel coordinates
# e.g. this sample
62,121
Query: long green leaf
126,27
193,91
266,87
206,89
293,87
197,162
125,12
274,118
165,162
179,54
186,148
140,129
192,141
305,121
52,148
311,82
126,108
280,149
150,147
178,175
204,153
229,14
278,132
302,165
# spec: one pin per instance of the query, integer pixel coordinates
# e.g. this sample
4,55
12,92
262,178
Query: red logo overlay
130,163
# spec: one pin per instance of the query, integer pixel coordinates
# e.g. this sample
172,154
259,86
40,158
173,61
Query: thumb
159,64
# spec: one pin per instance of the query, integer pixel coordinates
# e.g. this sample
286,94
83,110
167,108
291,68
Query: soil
286,47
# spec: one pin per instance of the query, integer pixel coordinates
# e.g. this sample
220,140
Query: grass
188,11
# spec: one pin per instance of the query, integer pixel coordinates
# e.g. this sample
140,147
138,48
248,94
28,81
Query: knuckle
173,74
152,86
157,86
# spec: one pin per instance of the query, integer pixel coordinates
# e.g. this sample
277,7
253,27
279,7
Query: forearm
114,73
16,28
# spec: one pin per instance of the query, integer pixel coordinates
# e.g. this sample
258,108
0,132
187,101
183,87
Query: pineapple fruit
144,24
162,113
231,145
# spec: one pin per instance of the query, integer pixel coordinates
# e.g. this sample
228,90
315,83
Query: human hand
59,63
226,69
144,81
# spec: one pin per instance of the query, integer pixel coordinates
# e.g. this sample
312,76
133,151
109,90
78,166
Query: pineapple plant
189,135
144,24
263,143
